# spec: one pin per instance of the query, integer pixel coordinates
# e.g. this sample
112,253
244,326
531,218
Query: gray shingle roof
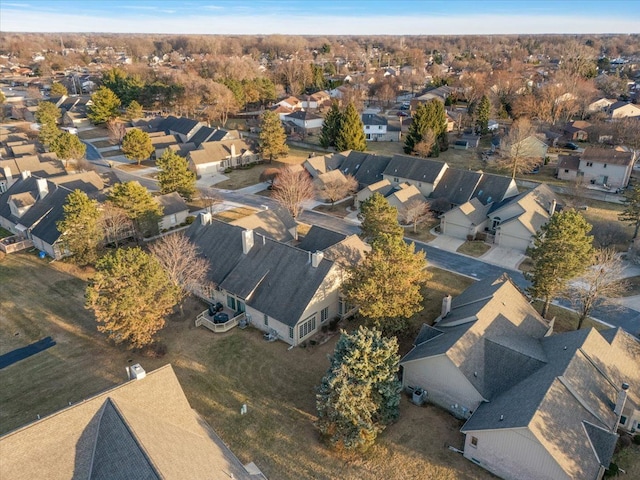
202,135
413,168
177,124
456,185
319,238
492,188
373,119
269,223
172,203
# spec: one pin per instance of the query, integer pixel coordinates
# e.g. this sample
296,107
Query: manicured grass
338,210
234,214
474,248
566,320
112,153
423,233
102,144
218,372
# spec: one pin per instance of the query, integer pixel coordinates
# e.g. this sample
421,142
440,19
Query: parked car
572,146
402,114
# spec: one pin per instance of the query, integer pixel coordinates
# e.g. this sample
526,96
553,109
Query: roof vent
501,417
625,386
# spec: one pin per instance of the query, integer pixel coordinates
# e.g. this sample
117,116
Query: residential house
383,187
174,210
466,220
282,111
303,121
161,142
283,290
599,166
183,127
577,130
568,167
600,105
317,165
367,168
623,110
31,207
377,129
214,157
144,428
316,100
538,406
531,147
42,165
401,196
421,172
439,93
292,103
275,223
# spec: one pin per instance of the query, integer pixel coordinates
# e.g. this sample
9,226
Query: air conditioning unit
136,372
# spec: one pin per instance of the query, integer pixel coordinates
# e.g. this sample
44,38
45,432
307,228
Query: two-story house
599,166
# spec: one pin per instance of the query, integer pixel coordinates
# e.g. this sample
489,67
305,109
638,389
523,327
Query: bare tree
209,199
291,188
179,258
423,147
337,189
219,102
115,223
599,285
116,131
269,174
517,150
415,212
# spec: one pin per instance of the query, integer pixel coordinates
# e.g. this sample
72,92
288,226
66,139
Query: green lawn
5,233
475,248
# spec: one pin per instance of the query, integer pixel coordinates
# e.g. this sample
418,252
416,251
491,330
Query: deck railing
203,320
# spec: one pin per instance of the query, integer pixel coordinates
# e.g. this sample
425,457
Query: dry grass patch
112,153
526,265
628,459
250,175
566,320
475,248
339,210
102,144
218,373
232,214
633,287
423,233
303,228
96,132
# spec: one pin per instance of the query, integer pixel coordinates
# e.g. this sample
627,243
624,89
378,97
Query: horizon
317,18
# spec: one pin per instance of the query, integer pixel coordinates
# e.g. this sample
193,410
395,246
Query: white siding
513,454
456,224
445,384
513,235
424,187
617,175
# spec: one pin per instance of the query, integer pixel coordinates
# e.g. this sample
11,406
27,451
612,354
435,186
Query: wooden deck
203,319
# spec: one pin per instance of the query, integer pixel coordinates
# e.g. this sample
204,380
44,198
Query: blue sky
318,17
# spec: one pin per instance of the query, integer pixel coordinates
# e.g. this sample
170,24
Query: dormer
20,203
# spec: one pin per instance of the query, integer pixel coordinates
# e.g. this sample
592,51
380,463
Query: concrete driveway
445,242
503,257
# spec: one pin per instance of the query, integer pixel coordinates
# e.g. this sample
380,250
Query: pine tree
139,205
130,294
272,137
351,133
174,175
360,394
134,110
80,227
331,126
68,147
484,111
58,90
47,116
136,145
430,117
386,285
561,250
378,217
631,212
105,106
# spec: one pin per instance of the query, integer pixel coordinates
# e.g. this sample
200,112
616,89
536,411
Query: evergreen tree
431,117
130,294
561,251
272,137
139,205
58,90
134,110
105,106
378,217
360,394
68,147
484,111
631,212
80,227
386,285
136,145
126,87
331,126
174,175
47,116
350,136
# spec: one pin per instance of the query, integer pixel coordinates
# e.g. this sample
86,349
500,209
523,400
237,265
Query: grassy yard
102,144
566,320
234,214
474,248
423,233
633,287
5,233
112,153
97,132
338,210
218,373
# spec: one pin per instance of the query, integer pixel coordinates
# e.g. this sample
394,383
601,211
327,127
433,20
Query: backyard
219,372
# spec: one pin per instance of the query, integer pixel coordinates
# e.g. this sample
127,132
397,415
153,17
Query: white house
623,110
304,120
599,166
377,129
214,157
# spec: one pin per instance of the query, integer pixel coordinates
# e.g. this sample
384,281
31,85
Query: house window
266,319
324,314
306,327
604,166
396,180
589,164
290,332
566,171
231,302
623,419
419,184
379,127
173,219
474,441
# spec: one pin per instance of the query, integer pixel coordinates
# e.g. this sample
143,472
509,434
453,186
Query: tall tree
386,285
272,137
429,116
136,145
562,250
134,110
291,189
631,212
360,393
115,223
218,102
47,116
179,258
517,150
105,105
127,88
80,228
174,175
116,130
130,295
334,190
68,147
378,217
483,113
599,285
415,212
143,210
351,133
58,90
331,126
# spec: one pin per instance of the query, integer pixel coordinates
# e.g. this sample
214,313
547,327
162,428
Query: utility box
419,396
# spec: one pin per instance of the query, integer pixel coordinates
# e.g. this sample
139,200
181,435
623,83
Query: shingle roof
413,168
141,429
373,119
569,162
268,223
607,155
217,151
457,185
319,238
172,203
303,115
202,135
177,124
274,278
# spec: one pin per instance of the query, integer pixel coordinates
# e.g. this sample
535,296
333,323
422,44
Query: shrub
228,170
470,238
189,220
636,439
333,324
612,471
